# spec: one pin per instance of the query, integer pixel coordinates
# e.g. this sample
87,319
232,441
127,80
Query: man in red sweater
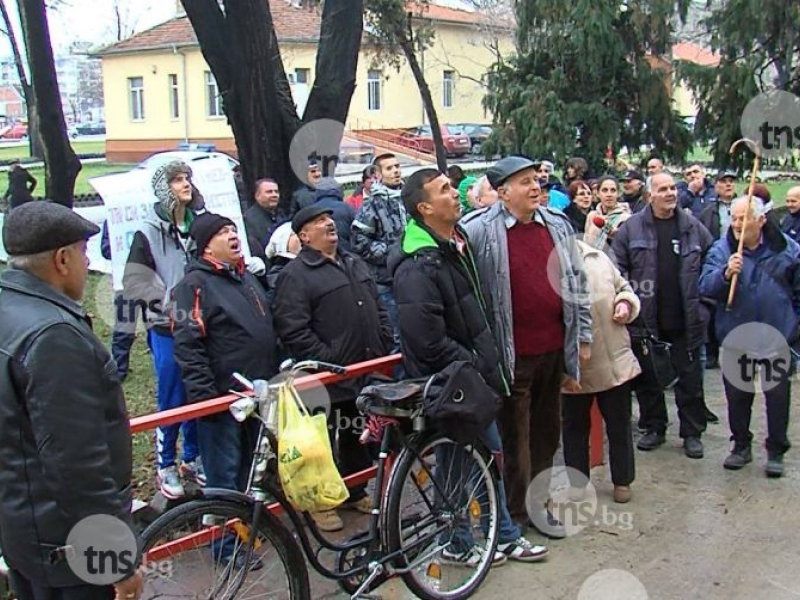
542,324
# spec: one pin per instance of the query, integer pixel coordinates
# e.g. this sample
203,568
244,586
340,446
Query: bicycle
434,520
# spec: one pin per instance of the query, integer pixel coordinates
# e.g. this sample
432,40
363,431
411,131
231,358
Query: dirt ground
692,530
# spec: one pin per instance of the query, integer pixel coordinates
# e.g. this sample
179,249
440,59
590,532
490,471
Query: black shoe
712,363
738,458
774,467
693,447
711,417
650,441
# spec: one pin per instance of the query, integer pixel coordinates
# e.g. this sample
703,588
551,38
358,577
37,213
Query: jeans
170,393
26,589
462,538
124,334
387,298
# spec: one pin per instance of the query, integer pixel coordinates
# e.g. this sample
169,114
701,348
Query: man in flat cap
326,307
65,443
157,260
541,322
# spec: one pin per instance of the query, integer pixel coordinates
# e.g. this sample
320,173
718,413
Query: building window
447,89
374,90
136,88
302,75
174,102
214,101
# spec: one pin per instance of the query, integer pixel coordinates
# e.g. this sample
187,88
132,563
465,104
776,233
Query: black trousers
346,424
26,589
740,408
712,345
615,406
689,394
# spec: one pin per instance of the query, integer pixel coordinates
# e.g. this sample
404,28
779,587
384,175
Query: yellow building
159,91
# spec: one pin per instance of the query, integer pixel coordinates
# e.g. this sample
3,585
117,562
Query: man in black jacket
221,325
326,308
661,251
65,443
444,318
264,217
20,186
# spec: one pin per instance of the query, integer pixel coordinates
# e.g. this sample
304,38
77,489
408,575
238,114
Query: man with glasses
697,192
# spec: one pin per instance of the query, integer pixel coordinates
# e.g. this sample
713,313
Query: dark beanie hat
206,226
40,226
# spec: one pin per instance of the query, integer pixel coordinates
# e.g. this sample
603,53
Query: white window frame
213,99
174,97
136,98
374,90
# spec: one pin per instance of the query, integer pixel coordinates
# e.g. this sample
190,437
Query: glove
256,266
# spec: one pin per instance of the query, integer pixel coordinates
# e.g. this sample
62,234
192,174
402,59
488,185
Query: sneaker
169,484
523,551
328,520
622,494
364,505
546,524
693,447
471,558
194,471
738,458
650,441
774,466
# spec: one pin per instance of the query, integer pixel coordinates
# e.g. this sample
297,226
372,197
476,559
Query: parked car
477,135
98,128
421,138
187,156
354,151
15,132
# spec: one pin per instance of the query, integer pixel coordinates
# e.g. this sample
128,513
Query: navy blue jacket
790,225
696,202
768,288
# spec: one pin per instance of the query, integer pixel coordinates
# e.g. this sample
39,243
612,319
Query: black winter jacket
221,325
260,223
443,316
636,254
65,442
330,311
710,220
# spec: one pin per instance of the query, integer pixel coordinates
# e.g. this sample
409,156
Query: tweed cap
40,226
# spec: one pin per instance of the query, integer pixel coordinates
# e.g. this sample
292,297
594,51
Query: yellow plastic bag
308,474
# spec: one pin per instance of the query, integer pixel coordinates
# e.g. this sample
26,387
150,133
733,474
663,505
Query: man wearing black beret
65,444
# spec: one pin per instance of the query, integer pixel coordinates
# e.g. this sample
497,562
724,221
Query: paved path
695,531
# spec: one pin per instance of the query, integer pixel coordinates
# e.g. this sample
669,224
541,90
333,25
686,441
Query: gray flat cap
506,167
39,226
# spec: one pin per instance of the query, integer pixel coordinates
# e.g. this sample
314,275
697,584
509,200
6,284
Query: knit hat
161,179
463,187
278,244
206,226
40,226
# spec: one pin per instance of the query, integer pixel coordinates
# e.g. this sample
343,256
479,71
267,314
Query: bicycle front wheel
442,514
199,550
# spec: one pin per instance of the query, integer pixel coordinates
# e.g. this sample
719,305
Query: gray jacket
487,233
379,224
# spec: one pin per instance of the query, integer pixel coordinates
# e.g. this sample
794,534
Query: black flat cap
309,213
631,174
506,167
724,174
39,226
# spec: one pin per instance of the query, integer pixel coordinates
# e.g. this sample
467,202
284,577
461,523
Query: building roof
690,52
292,24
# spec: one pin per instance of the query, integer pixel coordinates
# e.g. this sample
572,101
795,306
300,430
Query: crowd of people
544,286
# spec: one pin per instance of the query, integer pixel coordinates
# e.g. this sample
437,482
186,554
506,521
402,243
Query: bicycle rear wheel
198,551
443,513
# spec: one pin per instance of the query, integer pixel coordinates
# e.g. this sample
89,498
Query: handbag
655,359
460,402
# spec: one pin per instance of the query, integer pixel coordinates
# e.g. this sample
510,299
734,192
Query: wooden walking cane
756,164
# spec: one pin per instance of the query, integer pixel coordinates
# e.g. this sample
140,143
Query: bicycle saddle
404,395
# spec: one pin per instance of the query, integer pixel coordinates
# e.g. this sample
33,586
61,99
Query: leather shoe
711,417
622,494
693,447
774,467
650,441
738,458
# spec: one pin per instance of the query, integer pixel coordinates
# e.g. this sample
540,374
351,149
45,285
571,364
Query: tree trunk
427,102
61,164
241,48
34,139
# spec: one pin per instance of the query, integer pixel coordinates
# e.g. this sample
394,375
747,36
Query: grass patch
22,151
88,170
